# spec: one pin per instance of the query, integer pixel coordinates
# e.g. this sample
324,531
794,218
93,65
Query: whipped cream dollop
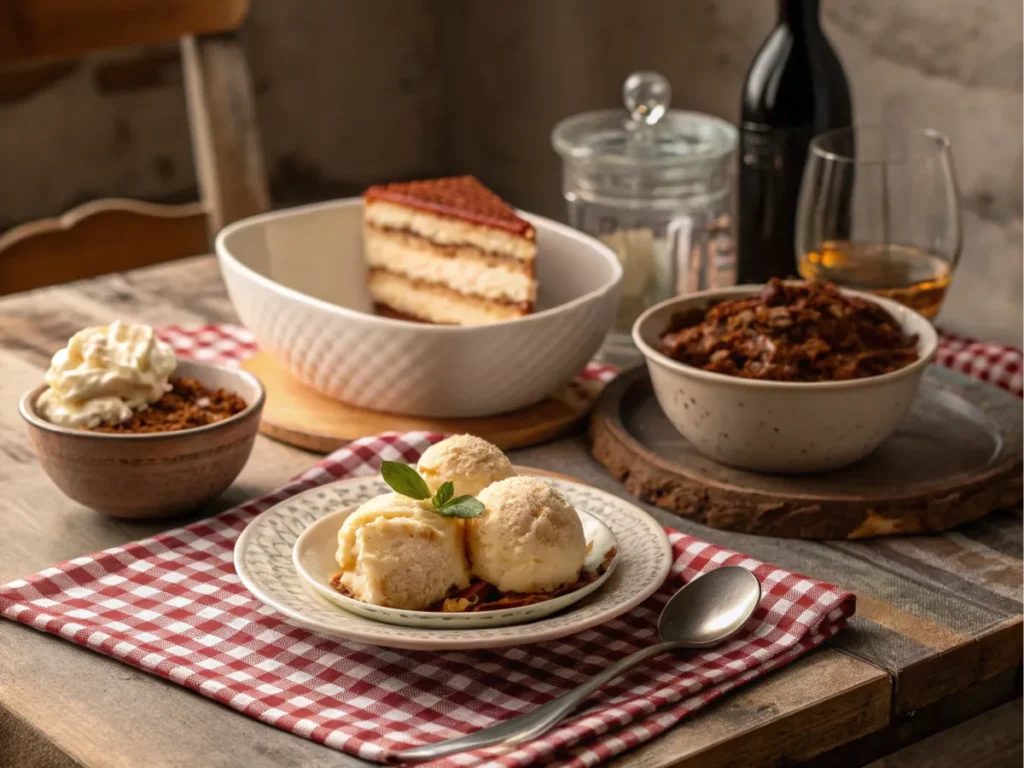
104,374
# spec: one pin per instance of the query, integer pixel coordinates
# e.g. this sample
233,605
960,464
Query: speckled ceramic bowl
151,475
776,426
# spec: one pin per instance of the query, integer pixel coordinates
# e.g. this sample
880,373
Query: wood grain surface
926,603
301,416
991,740
955,458
226,144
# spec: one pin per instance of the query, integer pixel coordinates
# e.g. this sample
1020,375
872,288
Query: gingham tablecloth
173,606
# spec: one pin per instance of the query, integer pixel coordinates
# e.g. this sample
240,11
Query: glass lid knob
647,96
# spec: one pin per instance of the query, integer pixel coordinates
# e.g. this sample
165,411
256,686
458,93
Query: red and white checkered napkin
172,605
215,343
988,361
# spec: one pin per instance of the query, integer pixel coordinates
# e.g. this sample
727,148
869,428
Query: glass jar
654,184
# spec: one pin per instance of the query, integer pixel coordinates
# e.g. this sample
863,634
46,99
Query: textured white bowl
297,279
774,426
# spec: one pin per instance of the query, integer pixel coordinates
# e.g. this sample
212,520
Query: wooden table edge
997,651
24,743
853,714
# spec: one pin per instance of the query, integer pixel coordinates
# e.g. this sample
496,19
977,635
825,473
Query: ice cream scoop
470,462
528,539
399,553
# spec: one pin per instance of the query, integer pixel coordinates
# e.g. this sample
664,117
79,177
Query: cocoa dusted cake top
459,197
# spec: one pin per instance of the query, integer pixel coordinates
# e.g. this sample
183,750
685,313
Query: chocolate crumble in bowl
796,332
188,405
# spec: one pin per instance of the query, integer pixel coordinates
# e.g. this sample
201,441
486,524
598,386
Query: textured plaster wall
955,67
355,91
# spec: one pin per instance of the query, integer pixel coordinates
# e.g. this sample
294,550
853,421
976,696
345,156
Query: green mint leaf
444,494
404,479
459,500
465,507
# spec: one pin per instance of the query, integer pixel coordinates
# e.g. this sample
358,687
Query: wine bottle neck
799,14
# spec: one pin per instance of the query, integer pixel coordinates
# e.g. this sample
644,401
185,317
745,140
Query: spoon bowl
710,608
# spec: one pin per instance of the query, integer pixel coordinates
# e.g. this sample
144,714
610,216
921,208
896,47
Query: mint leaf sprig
406,481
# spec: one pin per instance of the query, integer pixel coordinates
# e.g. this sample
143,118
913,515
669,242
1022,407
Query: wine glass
879,211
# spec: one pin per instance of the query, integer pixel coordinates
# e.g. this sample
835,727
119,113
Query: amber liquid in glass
906,274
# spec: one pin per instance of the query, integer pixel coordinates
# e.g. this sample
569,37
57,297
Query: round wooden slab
956,457
299,415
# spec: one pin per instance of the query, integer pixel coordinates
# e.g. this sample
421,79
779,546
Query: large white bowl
297,279
776,426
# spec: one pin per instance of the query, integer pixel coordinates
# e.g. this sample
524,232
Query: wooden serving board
956,457
299,415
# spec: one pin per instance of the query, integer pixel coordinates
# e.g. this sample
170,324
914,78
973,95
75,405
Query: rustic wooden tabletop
936,640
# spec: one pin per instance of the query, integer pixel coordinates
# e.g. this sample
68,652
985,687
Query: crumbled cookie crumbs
188,405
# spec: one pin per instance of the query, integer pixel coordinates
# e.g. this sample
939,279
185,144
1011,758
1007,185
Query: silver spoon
708,610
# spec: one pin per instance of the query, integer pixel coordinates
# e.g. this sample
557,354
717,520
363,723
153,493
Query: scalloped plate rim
368,632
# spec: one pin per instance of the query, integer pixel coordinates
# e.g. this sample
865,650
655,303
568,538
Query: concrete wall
955,67
355,91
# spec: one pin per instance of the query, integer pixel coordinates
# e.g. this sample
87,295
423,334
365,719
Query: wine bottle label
775,149
771,169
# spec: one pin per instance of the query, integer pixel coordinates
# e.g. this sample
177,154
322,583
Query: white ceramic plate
263,561
315,549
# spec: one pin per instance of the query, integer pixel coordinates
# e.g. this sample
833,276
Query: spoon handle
529,726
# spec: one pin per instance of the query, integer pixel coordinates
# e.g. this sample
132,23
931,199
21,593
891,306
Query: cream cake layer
437,304
461,268
445,230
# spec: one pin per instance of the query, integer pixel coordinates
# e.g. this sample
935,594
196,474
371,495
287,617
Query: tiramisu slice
448,251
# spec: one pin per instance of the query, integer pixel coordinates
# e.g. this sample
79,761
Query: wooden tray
955,458
299,415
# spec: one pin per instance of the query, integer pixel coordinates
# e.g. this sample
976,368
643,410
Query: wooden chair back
117,234
31,29
114,234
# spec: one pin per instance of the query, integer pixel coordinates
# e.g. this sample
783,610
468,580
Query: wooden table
937,638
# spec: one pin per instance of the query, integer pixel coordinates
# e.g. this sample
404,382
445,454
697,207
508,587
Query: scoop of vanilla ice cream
471,463
529,538
397,552
104,373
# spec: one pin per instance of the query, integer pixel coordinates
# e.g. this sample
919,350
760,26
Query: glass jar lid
647,134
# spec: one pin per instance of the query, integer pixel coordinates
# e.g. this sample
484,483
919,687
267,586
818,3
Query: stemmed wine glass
879,211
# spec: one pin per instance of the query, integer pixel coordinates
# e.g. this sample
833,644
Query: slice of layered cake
448,251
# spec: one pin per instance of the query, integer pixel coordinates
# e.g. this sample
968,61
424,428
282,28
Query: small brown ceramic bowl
151,475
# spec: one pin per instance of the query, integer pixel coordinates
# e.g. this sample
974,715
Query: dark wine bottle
795,89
